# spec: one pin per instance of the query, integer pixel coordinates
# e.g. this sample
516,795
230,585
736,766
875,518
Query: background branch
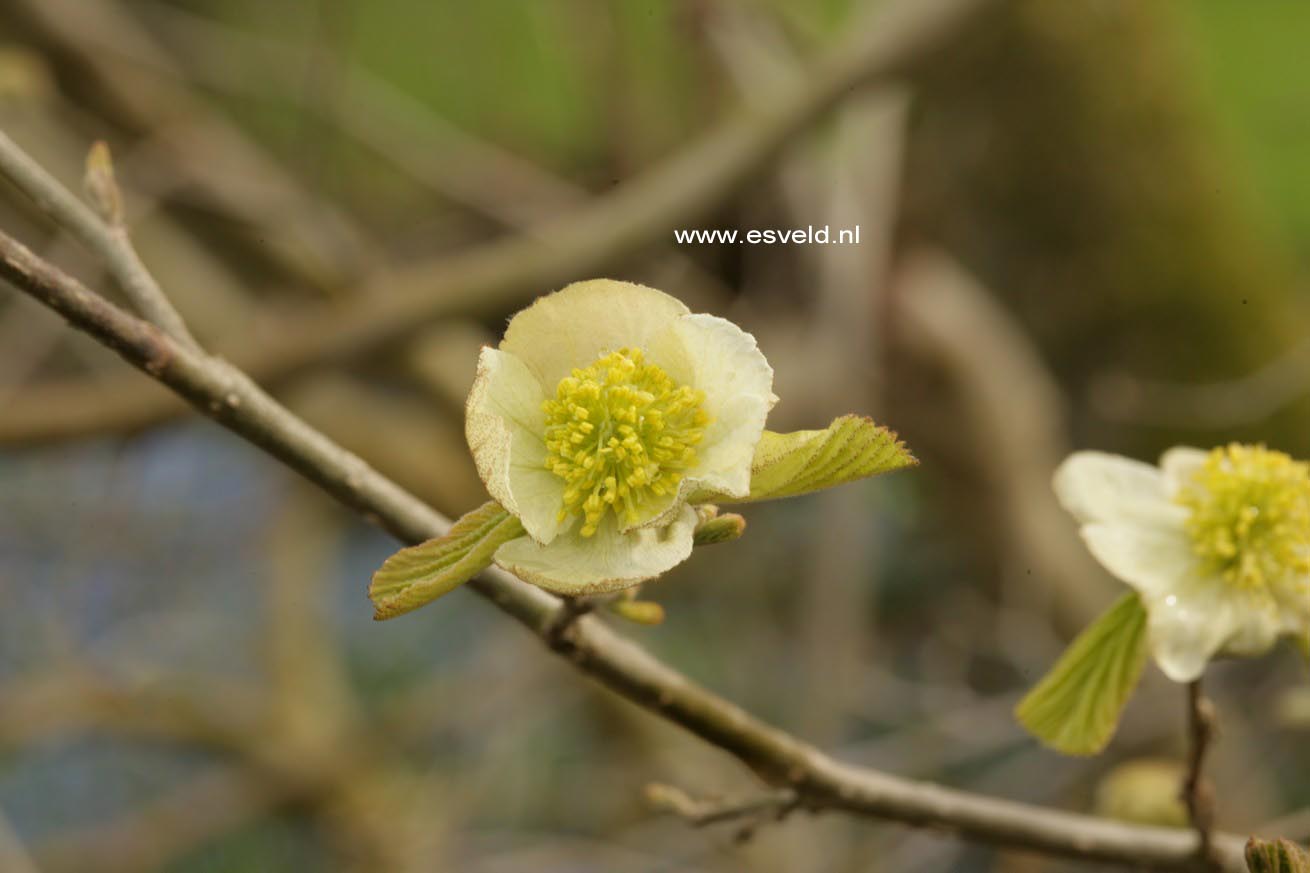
1220,405
701,812
398,303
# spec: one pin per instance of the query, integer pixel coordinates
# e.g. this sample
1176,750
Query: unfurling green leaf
1075,708
715,528
852,447
101,189
420,574
1276,856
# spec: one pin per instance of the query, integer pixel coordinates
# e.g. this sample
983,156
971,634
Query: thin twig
231,398
1197,794
107,240
755,809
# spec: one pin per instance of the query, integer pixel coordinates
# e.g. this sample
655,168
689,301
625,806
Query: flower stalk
1197,793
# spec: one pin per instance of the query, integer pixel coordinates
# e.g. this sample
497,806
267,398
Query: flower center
1250,515
620,433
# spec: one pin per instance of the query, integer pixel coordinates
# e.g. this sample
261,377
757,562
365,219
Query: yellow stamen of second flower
621,433
1250,515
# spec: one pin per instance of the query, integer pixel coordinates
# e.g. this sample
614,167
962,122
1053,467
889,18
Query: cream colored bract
606,407
1216,543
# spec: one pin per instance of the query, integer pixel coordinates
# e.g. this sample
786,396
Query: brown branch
1197,793
486,279
231,398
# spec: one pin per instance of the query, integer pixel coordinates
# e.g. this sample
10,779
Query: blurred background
1083,225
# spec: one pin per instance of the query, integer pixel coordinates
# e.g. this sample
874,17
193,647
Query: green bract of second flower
604,410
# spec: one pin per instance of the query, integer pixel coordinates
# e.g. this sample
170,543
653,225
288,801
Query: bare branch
231,398
107,240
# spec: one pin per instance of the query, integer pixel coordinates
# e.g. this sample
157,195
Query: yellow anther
620,432
1250,515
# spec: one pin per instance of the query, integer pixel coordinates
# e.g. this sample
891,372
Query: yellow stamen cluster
1250,515
620,433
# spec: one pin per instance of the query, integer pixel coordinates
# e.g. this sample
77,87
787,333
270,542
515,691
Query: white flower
1216,543
607,406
